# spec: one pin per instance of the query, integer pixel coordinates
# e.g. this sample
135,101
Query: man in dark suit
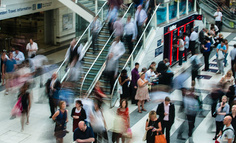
166,112
202,36
162,66
53,86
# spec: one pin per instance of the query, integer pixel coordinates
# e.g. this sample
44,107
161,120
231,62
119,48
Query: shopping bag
160,139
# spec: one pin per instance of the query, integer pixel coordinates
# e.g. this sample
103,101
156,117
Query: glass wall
182,7
161,14
173,9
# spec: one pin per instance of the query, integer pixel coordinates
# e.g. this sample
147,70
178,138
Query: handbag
220,55
160,138
145,134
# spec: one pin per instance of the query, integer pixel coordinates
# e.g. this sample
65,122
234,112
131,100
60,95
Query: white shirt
37,61
20,56
34,46
96,25
193,36
233,53
149,74
218,17
167,109
181,45
140,17
130,29
186,40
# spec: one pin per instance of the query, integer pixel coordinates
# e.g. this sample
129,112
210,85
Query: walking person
226,52
232,56
130,33
181,50
111,17
4,58
166,112
196,64
206,53
53,86
220,52
32,48
222,109
153,127
134,85
95,27
142,92
118,27
186,45
218,19
78,114
26,104
141,19
124,82
61,118
192,43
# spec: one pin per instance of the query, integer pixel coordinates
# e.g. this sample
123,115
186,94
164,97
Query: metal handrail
154,13
101,52
78,41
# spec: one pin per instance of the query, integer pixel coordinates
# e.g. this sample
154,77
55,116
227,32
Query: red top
125,116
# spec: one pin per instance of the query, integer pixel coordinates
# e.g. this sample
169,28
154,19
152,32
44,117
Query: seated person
83,133
162,65
150,74
166,77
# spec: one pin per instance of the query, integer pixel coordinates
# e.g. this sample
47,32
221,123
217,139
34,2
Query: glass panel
161,14
182,7
190,5
173,9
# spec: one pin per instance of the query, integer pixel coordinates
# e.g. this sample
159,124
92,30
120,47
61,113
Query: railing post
177,9
195,6
167,13
88,33
96,7
132,61
155,20
186,7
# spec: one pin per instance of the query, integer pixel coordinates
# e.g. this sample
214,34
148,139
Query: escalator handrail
78,41
93,82
128,60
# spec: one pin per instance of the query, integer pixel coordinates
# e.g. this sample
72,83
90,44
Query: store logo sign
172,27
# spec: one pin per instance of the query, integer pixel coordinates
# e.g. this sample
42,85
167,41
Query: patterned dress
142,91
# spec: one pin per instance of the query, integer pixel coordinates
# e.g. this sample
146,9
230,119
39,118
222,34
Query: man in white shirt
32,48
95,27
119,27
18,56
218,19
227,134
150,73
192,43
130,34
141,19
181,50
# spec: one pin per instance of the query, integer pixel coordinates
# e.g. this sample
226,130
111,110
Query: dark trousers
110,27
206,60
52,107
219,127
166,125
194,74
140,31
109,75
133,93
185,54
232,67
94,41
181,57
192,47
128,39
191,121
219,25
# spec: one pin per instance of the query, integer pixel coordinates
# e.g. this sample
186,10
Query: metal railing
93,82
134,50
86,33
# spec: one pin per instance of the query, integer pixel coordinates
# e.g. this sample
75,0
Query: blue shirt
220,47
208,46
10,65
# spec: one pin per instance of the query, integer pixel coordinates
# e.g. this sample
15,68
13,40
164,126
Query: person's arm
159,127
146,127
55,115
217,50
229,140
85,140
67,116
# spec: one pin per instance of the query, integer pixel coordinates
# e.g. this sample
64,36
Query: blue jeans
225,59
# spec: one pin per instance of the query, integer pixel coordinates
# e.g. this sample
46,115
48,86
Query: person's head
10,55
229,73
54,75
212,28
226,41
72,43
224,99
129,17
117,39
144,70
62,105
234,109
13,49
97,104
78,103
139,7
123,103
31,41
136,65
82,126
212,25
151,69
220,35
166,60
25,87
152,115
185,34
153,64
234,45
222,43
167,100
17,50
218,10
98,84
179,38
124,72
227,120
141,75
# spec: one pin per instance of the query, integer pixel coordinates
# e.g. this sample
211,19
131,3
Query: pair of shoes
139,111
214,138
66,131
144,109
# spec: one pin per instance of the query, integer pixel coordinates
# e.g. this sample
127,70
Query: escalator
209,8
